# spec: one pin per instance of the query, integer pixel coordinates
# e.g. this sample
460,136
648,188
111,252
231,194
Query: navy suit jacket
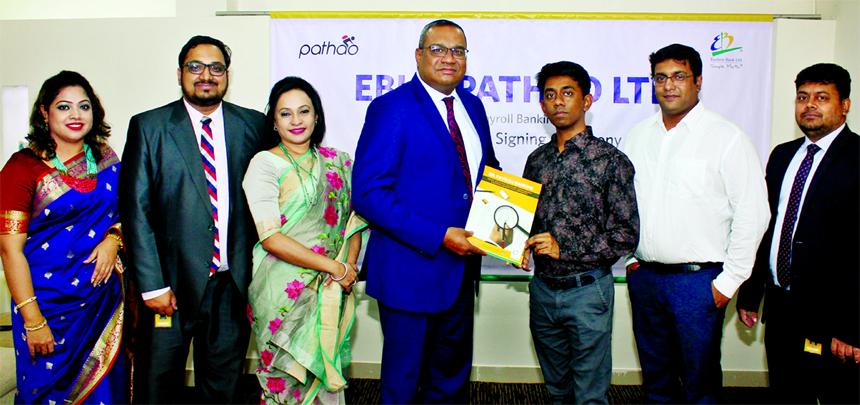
824,262
168,225
408,184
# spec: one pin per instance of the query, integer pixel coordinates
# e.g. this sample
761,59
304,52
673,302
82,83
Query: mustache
209,82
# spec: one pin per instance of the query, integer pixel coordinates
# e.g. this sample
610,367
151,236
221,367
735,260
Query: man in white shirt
188,231
703,209
807,261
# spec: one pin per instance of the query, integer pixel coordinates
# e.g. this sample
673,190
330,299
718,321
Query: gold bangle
116,238
25,302
37,327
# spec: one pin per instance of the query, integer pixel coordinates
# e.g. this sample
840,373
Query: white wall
128,51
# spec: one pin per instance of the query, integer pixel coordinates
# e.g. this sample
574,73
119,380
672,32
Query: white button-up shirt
701,194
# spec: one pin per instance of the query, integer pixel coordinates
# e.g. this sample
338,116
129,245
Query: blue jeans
572,333
678,329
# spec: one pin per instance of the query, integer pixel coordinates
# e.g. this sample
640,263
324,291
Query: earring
316,122
276,128
47,127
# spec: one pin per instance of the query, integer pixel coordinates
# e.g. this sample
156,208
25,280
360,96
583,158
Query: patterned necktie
783,258
208,153
457,137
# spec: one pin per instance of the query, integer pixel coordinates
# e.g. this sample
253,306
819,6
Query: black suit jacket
825,265
168,226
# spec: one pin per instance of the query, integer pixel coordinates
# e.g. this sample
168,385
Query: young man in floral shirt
585,221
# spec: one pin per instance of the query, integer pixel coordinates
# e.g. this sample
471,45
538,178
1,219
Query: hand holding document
502,213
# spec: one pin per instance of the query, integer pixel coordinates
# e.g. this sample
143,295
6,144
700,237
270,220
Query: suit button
211,228
206,265
465,196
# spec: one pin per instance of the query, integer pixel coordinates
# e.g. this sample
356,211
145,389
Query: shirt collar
580,140
437,95
690,120
196,116
825,141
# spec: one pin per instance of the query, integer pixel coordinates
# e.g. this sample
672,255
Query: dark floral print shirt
587,204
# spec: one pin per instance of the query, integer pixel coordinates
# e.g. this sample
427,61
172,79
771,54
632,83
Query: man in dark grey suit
183,165
807,262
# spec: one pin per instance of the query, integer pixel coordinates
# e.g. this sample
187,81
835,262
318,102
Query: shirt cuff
725,285
154,294
630,259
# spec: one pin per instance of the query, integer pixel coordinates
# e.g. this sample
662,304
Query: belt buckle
692,268
586,280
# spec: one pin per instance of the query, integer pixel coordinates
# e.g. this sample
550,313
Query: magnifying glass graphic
507,219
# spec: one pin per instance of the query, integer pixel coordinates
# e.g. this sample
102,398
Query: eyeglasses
440,51
196,68
678,80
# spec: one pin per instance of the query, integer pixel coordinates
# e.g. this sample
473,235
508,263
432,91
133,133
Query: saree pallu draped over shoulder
64,226
301,327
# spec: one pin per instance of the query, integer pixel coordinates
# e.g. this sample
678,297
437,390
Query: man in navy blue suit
421,152
807,261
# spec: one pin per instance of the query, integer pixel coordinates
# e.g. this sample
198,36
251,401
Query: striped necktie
208,152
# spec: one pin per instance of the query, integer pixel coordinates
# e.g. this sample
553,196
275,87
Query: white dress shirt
219,142
701,194
471,141
785,190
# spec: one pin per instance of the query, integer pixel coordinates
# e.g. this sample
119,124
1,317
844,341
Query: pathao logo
722,44
348,47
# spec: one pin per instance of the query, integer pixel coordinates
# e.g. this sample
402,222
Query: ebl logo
348,47
720,46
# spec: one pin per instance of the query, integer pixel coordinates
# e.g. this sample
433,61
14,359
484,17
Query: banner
351,61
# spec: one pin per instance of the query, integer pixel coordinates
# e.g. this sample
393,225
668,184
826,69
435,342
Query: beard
206,99
811,129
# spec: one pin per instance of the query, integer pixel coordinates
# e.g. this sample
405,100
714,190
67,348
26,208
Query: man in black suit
807,261
191,264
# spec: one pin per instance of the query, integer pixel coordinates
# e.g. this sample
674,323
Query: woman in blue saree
59,238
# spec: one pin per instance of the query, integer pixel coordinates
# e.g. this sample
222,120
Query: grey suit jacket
168,225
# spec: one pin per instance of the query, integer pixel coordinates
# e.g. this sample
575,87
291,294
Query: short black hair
286,84
437,23
680,53
564,68
826,73
204,40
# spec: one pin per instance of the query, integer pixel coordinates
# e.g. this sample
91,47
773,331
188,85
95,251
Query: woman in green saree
300,306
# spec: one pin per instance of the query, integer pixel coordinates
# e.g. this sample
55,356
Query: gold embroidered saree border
102,357
51,186
14,222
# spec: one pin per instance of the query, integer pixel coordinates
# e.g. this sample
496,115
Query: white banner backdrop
351,61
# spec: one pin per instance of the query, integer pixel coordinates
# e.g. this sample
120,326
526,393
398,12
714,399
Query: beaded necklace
310,202
83,185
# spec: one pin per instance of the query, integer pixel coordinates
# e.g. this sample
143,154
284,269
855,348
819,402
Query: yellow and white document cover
502,213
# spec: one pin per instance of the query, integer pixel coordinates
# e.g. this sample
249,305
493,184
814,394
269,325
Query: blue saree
63,227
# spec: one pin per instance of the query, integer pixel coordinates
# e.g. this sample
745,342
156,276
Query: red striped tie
208,153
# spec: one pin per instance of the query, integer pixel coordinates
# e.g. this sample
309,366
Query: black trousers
220,334
796,376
